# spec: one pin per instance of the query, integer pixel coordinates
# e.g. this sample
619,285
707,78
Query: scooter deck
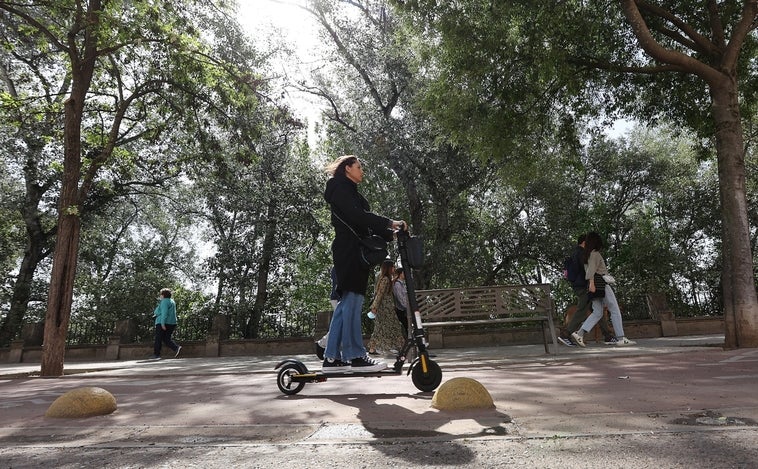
320,376
352,374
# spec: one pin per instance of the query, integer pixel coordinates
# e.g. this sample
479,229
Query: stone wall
216,345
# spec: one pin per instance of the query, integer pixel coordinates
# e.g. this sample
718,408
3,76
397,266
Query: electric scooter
293,375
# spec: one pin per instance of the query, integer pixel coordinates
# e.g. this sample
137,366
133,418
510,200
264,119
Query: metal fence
88,332
273,326
286,324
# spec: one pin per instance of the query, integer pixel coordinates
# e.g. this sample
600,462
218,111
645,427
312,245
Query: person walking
583,304
388,334
350,214
165,324
600,292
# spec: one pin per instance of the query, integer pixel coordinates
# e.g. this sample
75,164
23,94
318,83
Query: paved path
667,402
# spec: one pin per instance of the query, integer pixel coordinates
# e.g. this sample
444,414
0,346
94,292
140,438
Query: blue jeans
345,336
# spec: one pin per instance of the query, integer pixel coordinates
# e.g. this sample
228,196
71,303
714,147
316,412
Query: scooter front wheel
284,379
430,381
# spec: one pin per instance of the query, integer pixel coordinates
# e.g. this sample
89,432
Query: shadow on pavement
436,431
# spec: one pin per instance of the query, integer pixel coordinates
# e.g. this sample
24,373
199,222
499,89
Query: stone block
33,334
462,393
212,345
113,348
668,324
16,352
221,326
126,330
82,402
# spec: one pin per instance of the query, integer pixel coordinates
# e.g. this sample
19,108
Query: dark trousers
583,309
403,318
164,337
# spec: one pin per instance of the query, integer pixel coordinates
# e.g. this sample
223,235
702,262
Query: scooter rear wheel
433,377
284,379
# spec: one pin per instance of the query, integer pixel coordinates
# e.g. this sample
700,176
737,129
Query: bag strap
345,223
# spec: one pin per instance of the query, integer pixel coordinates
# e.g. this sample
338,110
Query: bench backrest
485,302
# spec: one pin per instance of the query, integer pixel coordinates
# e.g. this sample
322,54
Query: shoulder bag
373,247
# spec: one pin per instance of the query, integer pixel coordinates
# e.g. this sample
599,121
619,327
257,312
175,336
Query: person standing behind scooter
345,351
400,292
334,298
388,333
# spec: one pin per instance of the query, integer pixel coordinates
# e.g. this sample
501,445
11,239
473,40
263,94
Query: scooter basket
415,252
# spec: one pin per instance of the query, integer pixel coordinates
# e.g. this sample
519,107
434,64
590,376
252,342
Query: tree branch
746,24
616,67
717,28
698,42
681,61
335,109
36,24
351,59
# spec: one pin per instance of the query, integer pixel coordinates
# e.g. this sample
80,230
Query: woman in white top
600,292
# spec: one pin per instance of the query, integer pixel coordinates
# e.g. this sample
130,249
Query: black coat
342,195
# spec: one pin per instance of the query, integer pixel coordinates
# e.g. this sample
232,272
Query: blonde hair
338,166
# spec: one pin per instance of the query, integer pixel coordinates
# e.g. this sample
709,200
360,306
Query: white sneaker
578,339
624,341
331,366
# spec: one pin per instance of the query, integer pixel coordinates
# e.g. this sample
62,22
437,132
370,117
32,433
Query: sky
283,19
293,21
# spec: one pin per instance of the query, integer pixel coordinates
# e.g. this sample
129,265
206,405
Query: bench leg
551,328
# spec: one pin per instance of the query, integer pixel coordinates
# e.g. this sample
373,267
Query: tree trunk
66,254
267,254
737,277
62,277
60,297
37,240
14,320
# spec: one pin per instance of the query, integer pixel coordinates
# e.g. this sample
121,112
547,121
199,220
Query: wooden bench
451,307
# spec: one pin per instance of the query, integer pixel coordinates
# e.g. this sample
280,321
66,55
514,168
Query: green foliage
154,72
512,80
202,180
10,223
127,256
261,205
508,74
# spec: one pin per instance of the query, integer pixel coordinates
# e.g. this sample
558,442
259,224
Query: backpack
572,271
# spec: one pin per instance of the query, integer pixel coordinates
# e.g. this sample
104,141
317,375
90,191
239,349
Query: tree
11,240
372,89
135,246
127,63
30,124
522,62
260,201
